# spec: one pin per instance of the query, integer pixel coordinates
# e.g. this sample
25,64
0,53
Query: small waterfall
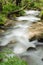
32,12
28,18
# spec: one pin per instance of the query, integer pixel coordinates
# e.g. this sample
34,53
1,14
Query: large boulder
36,31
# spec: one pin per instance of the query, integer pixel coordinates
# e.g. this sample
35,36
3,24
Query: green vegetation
13,61
38,4
41,14
5,52
8,6
5,59
3,19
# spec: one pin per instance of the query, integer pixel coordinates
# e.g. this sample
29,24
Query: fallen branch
10,13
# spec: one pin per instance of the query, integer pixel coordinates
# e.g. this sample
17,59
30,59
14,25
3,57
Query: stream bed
17,40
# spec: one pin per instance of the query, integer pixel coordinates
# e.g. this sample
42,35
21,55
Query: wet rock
36,31
42,59
31,48
42,17
40,40
9,23
1,31
32,39
0,60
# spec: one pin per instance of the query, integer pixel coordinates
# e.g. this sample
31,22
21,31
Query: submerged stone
40,40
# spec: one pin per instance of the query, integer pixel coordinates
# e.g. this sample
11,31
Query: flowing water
17,39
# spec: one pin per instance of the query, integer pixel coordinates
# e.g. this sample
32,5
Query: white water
28,18
34,57
18,34
32,12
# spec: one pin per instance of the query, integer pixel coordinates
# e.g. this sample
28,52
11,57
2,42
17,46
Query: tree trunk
18,2
1,7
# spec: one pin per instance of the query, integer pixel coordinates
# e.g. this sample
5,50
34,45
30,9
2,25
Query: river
16,38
